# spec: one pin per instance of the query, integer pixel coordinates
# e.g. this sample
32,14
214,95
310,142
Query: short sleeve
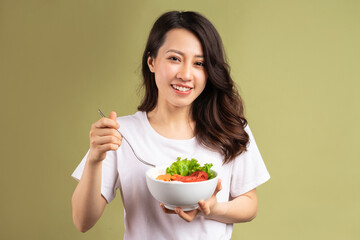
109,178
249,170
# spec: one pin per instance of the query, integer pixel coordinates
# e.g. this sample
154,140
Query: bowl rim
178,182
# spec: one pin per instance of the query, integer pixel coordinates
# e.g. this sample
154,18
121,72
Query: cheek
204,84
165,71
203,80
163,75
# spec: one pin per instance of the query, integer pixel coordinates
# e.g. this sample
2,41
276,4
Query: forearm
240,209
87,202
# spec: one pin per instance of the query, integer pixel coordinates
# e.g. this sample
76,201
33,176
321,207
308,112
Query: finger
165,210
107,147
109,132
204,207
187,216
106,123
96,136
105,140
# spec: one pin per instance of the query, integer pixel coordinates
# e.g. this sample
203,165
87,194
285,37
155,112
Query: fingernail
177,210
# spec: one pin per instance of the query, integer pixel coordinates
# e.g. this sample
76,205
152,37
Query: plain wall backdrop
297,66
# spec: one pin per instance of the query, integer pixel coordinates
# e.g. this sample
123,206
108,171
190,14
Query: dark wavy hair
218,111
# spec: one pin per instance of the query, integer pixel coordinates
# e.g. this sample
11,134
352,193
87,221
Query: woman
190,109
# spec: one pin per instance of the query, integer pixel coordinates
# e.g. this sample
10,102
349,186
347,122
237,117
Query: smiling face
179,70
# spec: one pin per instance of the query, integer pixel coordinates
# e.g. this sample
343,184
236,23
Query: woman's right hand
87,202
104,137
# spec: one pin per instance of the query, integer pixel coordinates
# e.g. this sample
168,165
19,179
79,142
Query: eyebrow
182,54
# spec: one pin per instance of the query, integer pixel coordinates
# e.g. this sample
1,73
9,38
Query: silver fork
140,159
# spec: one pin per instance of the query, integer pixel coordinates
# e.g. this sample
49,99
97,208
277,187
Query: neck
172,122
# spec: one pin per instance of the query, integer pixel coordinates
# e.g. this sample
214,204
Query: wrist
93,162
219,209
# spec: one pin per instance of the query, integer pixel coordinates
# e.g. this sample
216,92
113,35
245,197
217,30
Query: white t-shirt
144,219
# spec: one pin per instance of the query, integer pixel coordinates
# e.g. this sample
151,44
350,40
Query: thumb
113,115
218,187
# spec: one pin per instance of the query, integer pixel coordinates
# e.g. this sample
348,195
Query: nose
185,72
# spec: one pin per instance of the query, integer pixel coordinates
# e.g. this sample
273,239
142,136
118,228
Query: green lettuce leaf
207,168
186,167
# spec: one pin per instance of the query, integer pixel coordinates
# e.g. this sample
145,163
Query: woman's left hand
206,207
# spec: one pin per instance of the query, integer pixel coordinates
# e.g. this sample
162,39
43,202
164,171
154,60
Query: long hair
218,111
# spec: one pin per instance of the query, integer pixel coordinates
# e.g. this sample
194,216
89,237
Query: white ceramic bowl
178,194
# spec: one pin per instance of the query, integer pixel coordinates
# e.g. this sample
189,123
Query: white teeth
182,89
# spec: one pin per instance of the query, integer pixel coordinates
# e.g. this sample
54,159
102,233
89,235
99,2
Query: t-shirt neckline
159,136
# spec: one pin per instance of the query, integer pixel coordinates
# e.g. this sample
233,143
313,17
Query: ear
151,64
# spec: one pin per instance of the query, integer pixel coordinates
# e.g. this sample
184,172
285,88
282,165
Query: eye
201,64
176,59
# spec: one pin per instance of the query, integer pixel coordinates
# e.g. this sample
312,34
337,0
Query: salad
187,171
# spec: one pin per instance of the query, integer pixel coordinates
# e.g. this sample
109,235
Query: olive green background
297,65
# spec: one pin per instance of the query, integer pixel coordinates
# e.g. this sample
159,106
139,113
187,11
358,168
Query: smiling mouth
181,89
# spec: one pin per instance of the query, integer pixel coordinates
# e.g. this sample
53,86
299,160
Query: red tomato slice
197,176
200,174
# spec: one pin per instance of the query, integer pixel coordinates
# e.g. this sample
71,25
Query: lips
181,88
